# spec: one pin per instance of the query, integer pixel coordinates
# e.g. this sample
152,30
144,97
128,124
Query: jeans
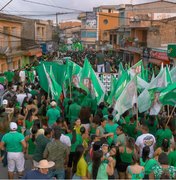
59,174
100,68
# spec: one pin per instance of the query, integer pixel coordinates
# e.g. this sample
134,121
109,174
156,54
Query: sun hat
13,126
45,164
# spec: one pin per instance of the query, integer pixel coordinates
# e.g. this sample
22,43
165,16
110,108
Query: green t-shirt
152,129
28,124
13,141
131,130
9,76
2,80
172,158
163,134
78,141
102,171
100,58
52,115
31,147
41,142
74,111
148,165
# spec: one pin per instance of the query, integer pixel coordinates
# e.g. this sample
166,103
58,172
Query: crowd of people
74,138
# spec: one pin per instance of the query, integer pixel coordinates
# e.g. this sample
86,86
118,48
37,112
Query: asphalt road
3,170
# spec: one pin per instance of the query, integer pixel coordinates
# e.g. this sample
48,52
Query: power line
6,5
49,5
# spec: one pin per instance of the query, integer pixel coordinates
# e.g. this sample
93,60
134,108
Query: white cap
5,102
53,103
13,126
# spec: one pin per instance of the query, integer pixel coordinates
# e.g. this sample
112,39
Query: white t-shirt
20,97
22,76
65,140
146,140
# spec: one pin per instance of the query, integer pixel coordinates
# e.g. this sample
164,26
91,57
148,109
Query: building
69,30
10,43
96,25
88,29
142,29
23,40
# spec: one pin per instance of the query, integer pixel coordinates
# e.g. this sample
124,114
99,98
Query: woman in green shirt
99,169
76,140
147,162
163,133
126,157
30,139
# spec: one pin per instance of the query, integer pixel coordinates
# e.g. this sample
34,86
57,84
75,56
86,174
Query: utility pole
6,5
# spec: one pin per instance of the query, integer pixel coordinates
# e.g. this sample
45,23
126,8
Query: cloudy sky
35,9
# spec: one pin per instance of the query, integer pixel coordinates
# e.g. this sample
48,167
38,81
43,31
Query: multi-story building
69,30
21,40
10,43
142,30
96,25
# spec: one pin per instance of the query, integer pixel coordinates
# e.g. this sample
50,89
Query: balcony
132,46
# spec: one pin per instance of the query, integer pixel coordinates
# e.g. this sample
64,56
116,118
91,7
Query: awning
34,52
158,61
39,54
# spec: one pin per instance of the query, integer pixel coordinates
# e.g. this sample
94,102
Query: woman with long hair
135,171
76,140
163,133
30,140
79,164
147,162
125,159
99,169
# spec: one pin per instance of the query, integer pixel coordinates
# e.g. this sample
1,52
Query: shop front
159,56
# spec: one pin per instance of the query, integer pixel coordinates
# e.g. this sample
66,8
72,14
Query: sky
38,11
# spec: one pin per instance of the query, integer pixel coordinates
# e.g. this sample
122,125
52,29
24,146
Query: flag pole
70,88
170,115
168,110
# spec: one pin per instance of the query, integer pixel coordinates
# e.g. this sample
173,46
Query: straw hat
45,164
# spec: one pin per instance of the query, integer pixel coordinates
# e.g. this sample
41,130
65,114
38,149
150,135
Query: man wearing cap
52,114
15,144
42,172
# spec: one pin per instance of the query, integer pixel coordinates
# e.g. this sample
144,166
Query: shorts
71,158
121,167
15,160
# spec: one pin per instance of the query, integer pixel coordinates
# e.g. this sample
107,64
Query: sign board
159,16
159,54
171,50
106,79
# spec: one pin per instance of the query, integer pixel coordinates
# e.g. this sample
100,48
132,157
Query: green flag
56,88
136,69
168,95
150,95
113,90
173,74
90,82
127,98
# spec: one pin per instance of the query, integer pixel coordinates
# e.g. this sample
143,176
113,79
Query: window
109,10
105,21
88,34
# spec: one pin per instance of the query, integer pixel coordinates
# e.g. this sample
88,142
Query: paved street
3,171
